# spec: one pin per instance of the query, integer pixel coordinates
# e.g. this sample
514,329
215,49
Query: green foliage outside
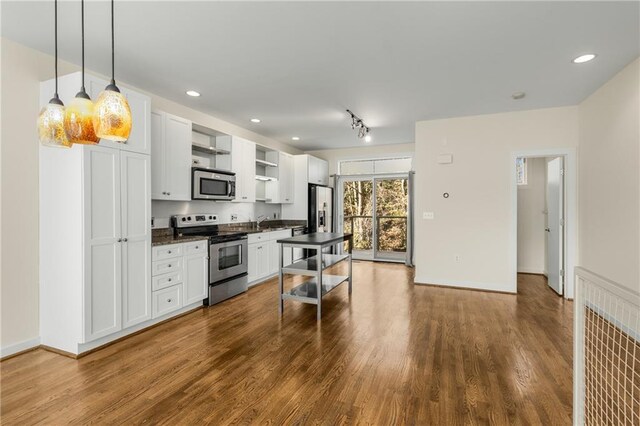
391,209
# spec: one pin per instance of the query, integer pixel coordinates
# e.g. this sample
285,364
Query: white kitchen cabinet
170,156
243,164
135,178
264,256
196,273
318,171
103,236
280,191
183,265
95,244
258,261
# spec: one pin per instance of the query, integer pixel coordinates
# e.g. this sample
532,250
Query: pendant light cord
55,38
113,56
82,30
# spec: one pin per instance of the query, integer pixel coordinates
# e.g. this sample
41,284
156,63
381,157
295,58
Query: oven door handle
240,241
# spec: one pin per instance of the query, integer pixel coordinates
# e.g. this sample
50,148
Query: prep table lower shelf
308,291
312,290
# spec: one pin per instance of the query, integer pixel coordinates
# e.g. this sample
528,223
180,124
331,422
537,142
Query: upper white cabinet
171,157
318,171
281,191
243,164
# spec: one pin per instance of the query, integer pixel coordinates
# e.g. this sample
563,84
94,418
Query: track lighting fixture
357,123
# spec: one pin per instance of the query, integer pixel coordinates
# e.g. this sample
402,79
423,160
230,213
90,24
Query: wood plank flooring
394,353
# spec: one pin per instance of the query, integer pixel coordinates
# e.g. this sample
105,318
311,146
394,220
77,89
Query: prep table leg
319,282
350,267
280,281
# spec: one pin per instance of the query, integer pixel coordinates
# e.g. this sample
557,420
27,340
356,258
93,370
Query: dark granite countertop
165,235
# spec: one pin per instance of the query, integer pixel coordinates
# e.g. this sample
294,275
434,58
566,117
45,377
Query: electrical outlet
427,215
234,216
457,257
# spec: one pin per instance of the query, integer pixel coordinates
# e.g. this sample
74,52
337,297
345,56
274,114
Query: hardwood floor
394,354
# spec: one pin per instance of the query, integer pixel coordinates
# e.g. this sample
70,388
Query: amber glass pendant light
51,119
112,115
78,117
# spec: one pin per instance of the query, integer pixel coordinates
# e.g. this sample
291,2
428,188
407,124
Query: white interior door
555,224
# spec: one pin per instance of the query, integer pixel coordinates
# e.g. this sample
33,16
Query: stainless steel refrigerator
320,214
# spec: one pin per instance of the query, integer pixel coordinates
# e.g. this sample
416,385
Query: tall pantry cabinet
95,236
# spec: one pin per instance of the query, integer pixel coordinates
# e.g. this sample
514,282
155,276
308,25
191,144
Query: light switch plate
427,215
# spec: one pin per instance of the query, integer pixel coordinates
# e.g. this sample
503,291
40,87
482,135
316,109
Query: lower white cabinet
180,277
167,300
264,256
196,272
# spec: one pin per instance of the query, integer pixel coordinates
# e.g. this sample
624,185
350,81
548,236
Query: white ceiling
299,65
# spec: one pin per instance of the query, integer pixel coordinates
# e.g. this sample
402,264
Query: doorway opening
376,209
544,217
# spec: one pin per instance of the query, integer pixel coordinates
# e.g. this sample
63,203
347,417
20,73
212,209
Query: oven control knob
210,217
184,219
189,218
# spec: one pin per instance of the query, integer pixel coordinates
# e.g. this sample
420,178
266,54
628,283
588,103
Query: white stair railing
606,386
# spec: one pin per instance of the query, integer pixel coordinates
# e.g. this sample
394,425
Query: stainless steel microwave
210,184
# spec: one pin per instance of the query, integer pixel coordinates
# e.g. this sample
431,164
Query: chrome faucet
260,219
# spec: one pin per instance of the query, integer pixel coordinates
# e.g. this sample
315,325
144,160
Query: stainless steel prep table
312,290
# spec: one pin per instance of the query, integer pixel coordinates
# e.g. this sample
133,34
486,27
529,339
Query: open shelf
308,290
266,178
209,149
309,266
265,163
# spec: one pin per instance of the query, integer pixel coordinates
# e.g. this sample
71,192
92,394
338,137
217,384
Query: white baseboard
526,270
470,285
19,347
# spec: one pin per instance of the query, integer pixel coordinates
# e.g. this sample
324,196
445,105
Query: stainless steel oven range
227,254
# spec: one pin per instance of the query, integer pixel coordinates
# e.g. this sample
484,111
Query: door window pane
357,211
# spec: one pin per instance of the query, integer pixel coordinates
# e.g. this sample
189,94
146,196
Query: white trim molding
19,347
571,212
466,285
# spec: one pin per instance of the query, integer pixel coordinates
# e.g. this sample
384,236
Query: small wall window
521,171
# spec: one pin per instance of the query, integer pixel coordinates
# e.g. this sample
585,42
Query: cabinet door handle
125,240
168,193
169,300
169,266
169,280
119,240
168,251
197,247
164,192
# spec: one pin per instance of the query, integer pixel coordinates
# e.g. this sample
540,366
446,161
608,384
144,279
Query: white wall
532,218
22,70
474,223
609,177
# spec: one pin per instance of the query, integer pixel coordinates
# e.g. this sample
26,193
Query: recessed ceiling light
255,120
584,58
518,95
295,138
367,138
193,93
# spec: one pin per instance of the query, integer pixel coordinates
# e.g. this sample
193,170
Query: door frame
339,207
570,213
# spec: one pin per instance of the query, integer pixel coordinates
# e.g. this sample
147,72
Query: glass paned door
374,210
357,218
391,203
